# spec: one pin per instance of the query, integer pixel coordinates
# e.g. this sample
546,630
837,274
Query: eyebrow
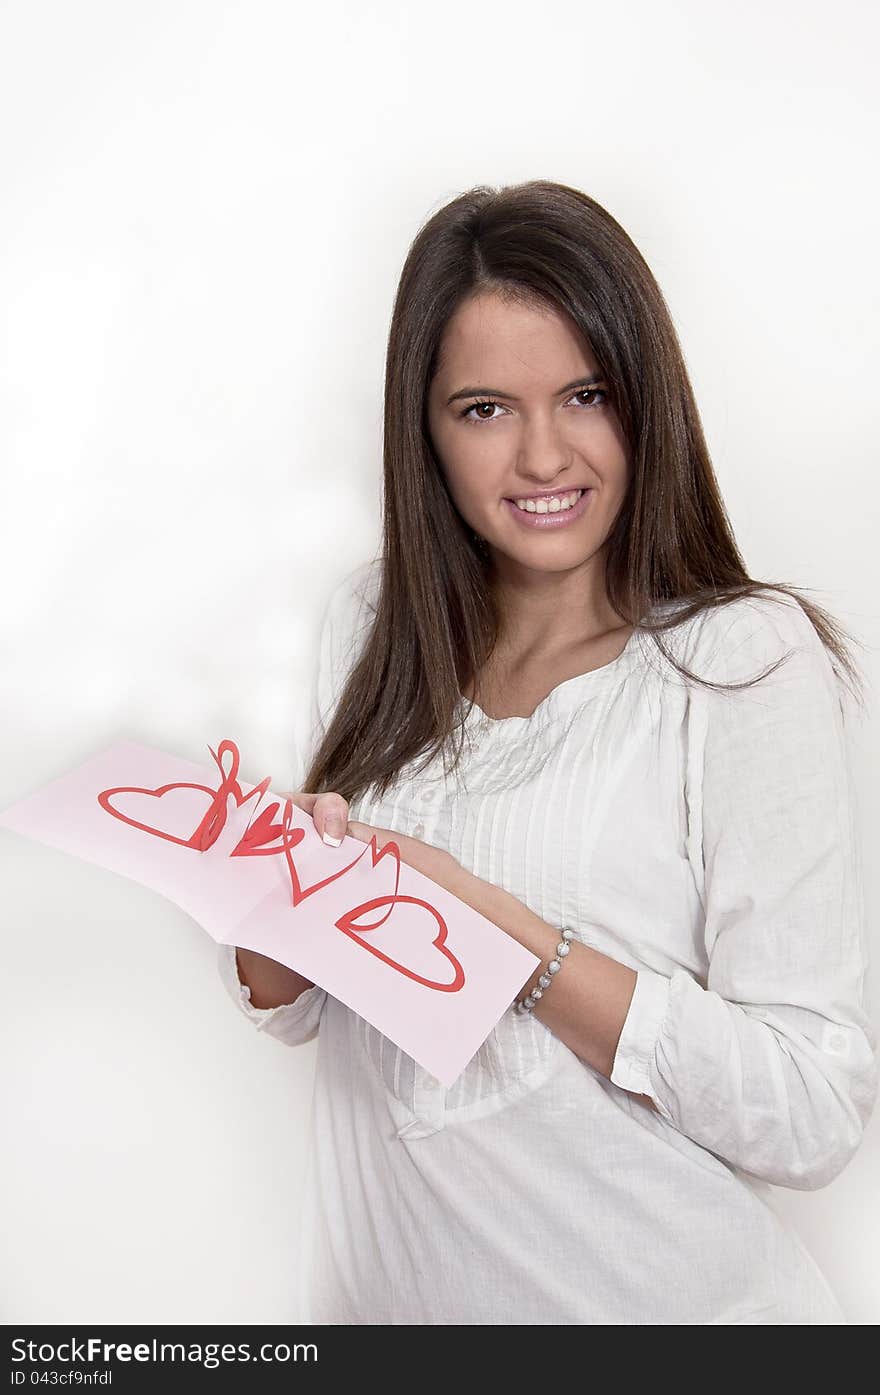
497,392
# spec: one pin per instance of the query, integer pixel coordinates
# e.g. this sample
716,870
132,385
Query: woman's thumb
331,818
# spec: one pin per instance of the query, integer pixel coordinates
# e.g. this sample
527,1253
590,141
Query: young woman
561,694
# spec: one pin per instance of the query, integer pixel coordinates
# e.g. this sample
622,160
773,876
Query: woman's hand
329,813
435,863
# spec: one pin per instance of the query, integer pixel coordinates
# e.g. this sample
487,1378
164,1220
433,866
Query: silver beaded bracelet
546,978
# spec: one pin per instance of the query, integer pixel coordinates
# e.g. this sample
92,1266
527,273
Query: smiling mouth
547,503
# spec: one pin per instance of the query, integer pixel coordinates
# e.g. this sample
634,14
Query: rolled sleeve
641,1028
291,1023
771,1062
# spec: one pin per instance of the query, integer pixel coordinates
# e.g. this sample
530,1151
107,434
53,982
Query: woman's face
550,430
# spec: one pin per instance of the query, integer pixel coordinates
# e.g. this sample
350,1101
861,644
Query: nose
544,457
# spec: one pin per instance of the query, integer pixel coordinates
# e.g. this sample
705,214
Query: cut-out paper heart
260,836
211,825
348,927
176,812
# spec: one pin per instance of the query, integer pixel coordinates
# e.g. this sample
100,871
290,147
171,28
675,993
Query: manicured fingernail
329,836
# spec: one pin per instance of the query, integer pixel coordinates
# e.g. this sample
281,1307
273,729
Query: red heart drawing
263,832
211,826
105,799
347,926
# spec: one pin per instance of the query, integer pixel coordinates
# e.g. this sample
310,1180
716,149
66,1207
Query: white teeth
555,503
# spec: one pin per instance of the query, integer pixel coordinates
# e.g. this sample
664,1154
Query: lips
550,519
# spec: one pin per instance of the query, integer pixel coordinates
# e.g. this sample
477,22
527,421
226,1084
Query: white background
206,207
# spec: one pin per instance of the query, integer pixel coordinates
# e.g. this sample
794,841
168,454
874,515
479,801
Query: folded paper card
423,967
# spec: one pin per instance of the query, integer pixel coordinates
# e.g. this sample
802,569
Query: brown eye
593,392
474,405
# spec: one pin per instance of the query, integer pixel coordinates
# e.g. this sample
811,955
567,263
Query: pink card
423,967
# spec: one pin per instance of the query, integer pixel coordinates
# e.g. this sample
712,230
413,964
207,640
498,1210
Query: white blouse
705,839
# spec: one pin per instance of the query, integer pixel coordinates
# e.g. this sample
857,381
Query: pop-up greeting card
423,967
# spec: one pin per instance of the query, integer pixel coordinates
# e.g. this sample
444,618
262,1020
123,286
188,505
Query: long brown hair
435,622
